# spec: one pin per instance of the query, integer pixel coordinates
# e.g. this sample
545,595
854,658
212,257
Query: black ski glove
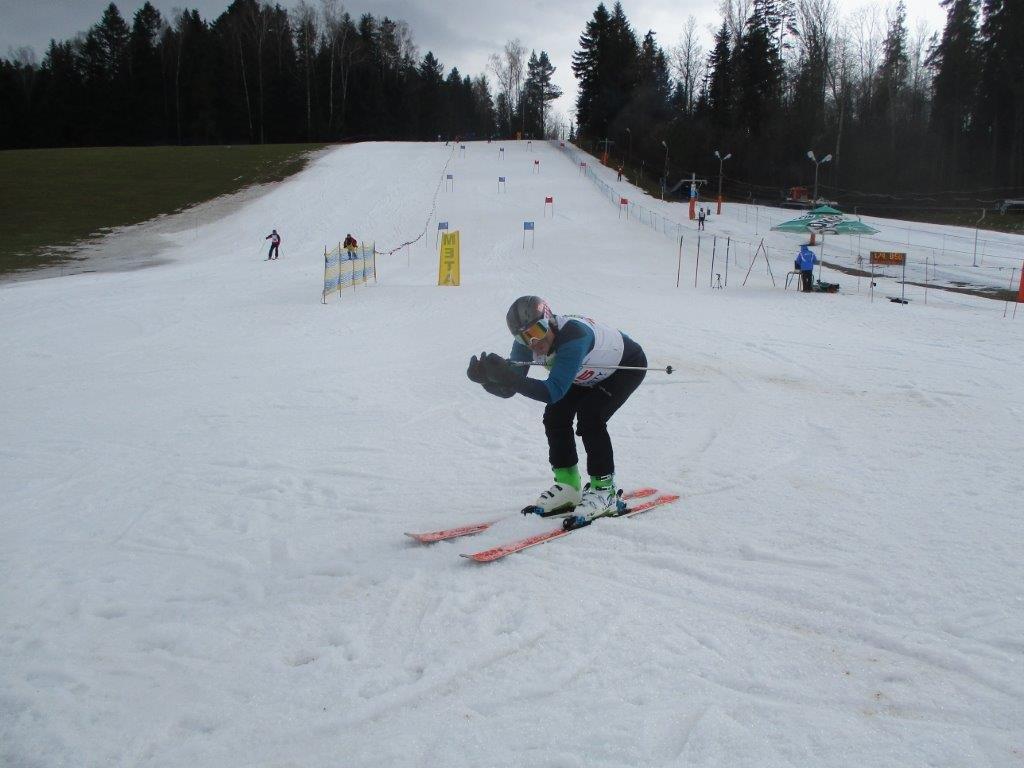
499,371
475,372
498,390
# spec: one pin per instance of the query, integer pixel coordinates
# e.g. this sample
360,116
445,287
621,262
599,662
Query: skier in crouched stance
582,384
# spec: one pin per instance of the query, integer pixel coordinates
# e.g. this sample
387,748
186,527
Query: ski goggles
535,332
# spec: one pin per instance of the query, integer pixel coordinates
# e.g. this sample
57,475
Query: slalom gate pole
711,274
666,369
679,269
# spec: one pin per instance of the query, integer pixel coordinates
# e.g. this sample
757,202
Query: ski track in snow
207,474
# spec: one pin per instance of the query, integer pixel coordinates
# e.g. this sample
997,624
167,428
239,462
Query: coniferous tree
892,74
720,86
484,120
105,61
957,65
538,91
145,72
431,106
653,81
590,65
1001,93
758,66
622,72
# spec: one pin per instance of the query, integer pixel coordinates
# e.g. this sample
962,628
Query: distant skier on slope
275,245
582,384
350,245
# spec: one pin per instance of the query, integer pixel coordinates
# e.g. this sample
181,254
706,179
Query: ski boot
561,498
600,499
558,500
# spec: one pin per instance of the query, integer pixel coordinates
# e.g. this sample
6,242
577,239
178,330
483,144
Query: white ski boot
558,500
595,503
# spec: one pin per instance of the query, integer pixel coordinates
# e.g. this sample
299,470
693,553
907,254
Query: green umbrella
821,220
825,219
851,227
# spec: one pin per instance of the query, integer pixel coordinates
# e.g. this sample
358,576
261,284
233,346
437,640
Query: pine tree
590,65
653,78
1001,93
956,62
720,92
758,66
623,60
892,74
431,102
146,77
104,60
538,91
484,120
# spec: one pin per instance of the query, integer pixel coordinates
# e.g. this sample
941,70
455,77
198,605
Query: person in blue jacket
804,264
584,384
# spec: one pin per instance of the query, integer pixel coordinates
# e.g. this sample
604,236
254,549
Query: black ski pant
591,407
273,252
806,276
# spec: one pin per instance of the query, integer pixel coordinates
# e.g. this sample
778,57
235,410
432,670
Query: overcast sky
461,33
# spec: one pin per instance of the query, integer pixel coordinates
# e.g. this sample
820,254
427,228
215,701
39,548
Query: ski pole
666,369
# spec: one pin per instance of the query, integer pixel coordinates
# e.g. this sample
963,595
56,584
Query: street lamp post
721,160
817,164
664,179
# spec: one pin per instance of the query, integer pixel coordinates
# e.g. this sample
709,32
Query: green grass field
54,198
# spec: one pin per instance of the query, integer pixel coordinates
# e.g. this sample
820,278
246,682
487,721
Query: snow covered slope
207,474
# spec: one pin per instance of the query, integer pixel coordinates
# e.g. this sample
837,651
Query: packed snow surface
207,475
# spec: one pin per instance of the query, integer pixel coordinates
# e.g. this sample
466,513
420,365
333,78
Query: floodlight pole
817,163
721,160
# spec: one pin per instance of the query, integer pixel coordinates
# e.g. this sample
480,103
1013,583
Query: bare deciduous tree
509,68
735,14
689,63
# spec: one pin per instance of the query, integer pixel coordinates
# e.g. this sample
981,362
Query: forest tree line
258,73
898,110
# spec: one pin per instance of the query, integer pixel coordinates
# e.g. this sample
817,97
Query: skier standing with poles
593,370
275,245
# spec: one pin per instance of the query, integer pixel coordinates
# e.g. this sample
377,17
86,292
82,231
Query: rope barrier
433,210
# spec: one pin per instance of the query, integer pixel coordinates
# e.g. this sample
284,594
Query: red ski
451,533
489,555
468,530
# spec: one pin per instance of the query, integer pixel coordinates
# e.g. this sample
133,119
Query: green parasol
824,220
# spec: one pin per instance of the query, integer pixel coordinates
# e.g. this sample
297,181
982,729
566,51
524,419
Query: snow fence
344,267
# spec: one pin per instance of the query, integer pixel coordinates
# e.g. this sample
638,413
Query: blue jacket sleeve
577,340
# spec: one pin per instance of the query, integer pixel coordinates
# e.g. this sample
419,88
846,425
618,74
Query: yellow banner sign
888,257
448,266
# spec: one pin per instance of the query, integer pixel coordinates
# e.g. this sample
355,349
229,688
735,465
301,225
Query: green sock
569,476
602,483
